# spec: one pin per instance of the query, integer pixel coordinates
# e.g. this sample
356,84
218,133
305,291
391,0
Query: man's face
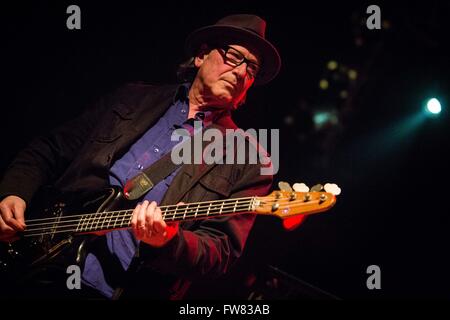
222,81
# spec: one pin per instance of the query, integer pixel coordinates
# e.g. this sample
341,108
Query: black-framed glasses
235,58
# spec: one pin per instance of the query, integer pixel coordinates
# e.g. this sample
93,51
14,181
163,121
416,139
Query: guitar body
43,260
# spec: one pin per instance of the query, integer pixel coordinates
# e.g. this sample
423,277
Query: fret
235,205
102,227
196,210
83,222
79,224
174,214
111,223
102,217
99,217
104,224
165,213
122,224
207,213
185,211
130,218
117,219
91,220
108,225
221,207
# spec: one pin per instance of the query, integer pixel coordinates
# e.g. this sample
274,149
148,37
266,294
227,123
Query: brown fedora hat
245,29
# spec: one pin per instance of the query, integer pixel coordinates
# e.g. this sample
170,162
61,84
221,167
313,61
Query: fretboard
120,219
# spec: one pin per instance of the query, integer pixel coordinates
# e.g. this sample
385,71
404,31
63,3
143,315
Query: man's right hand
12,209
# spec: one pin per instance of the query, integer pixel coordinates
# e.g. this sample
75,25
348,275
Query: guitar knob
284,186
332,188
317,187
300,187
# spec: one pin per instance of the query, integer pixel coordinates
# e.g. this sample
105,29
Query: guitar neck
109,220
283,204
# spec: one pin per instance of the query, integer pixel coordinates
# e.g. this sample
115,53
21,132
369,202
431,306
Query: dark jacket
77,156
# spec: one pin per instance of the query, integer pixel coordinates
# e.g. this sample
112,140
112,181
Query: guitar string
122,217
173,208
44,232
167,206
111,214
94,224
96,217
74,230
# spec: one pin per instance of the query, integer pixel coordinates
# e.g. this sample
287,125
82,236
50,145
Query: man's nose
241,70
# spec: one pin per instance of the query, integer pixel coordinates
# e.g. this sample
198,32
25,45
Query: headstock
299,199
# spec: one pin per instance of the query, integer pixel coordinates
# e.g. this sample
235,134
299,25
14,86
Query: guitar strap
142,183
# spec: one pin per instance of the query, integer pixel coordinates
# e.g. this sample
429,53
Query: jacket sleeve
213,247
46,157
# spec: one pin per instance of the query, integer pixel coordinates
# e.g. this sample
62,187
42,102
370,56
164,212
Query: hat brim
271,63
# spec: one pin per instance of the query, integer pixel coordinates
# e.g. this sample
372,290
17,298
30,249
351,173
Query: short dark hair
187,70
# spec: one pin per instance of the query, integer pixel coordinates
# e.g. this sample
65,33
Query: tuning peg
317,187
284,186
300,187
332,188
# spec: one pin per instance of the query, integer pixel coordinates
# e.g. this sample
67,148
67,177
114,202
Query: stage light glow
352,74
323,84
332,65
343,94
434,106
324,118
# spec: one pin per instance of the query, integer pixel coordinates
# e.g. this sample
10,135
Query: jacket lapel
190,174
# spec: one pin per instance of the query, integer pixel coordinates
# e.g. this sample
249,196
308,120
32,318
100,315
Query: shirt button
156,150
140,166
183,111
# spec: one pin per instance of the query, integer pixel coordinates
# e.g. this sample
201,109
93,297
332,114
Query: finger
19,214
134,218
9,219
150,216
141,219
159,226
5,230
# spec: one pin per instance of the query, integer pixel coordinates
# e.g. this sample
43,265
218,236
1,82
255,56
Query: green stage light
434,106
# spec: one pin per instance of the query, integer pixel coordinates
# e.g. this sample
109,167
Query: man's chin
224,94
229,86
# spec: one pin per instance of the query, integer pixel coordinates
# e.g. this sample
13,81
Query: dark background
390,161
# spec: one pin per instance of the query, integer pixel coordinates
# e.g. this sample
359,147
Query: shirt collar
207,117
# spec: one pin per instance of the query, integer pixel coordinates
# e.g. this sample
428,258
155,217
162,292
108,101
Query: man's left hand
149,227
